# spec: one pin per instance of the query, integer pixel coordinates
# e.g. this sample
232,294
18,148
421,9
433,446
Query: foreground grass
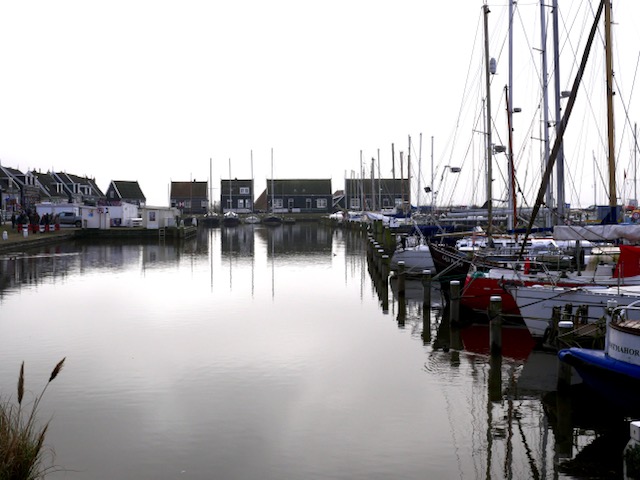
21,439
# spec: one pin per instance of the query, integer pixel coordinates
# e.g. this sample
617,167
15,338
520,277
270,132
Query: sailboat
272,219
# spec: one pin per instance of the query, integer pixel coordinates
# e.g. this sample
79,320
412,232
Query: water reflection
280,353
530,429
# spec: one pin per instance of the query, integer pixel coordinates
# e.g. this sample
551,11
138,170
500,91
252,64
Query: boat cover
598,233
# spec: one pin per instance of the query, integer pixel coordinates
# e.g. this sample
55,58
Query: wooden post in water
426,306
495,325
385,283
401,275
402,304
454,299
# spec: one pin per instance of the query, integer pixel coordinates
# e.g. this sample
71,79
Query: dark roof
189,189
128,189
69,178
299,187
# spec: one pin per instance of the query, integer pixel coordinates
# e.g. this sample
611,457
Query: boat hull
416,260
615,380
536,303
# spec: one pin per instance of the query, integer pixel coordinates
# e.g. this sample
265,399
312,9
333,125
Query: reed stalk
22,450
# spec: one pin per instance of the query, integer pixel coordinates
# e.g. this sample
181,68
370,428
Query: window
321,203
204,203
277,203
187,204
307,203
152,216
229,204
354,204
111,194
290,203
240,203
244,190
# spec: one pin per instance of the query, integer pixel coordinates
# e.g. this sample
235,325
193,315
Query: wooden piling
426,306
454,301
426,288
401,279
495,322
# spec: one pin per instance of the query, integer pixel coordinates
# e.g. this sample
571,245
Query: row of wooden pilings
380,259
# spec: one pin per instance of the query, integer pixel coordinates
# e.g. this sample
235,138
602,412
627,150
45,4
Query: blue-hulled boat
615,371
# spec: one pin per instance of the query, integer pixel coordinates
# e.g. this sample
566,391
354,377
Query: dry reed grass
22,451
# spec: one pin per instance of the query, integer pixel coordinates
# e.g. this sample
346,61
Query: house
189,197
297,196
10,189
50,189
124,191
388,193
236,195
158,217
82,190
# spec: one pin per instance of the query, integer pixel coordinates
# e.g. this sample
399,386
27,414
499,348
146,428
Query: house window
277,203
321,203
152,216
111,194
290,203
385,202
204,203
240,203
187,204
307,203
244,190
229,204
354,204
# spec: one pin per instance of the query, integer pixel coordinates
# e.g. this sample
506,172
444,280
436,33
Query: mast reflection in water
263,353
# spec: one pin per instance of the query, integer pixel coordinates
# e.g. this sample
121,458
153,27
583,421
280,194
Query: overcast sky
158,90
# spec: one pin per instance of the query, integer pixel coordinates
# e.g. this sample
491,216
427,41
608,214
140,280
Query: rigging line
466,83
563,125
624,104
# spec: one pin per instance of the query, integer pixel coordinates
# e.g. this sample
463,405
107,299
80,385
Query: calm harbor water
270,353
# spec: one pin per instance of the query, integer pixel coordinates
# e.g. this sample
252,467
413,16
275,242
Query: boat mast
210,185
610,134
230,192
489,141
548,220
419,172
409,174
561,217
251,181
511,219
373,184
272,192
563,124
379,183
511,224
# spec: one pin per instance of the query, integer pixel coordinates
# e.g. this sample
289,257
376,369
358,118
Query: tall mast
511,219
545,114
556,84
251,181
433,193
489,140
210,184
512,187
419,172
379,184
373,184
272,192
409,173
610,134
